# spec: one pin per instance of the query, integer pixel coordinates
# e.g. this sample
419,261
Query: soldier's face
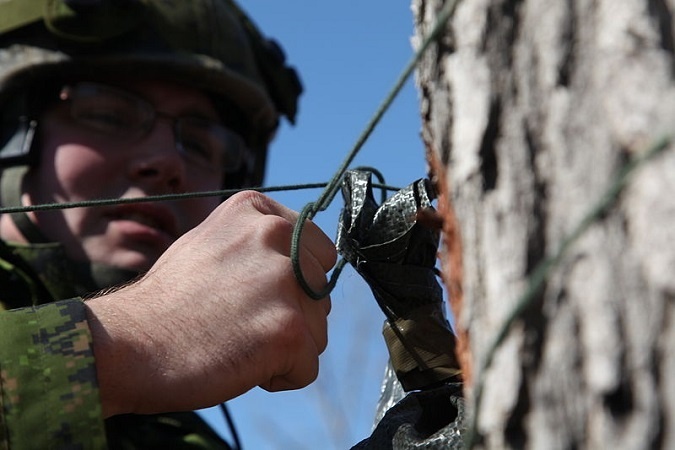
80,163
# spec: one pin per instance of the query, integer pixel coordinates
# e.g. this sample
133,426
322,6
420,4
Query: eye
104,120
196,147
199,142
105,114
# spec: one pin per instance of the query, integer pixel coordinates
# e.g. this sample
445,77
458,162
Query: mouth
147,215
140,218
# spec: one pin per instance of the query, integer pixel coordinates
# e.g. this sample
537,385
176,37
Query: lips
150,215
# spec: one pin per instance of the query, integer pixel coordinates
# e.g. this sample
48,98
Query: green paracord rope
326,198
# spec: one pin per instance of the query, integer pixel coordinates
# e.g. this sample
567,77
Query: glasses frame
235,155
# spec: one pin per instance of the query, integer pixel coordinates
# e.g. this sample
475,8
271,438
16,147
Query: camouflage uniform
48,388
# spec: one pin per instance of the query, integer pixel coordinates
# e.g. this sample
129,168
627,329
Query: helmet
210,44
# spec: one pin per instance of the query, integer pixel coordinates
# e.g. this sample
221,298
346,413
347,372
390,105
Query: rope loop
307,212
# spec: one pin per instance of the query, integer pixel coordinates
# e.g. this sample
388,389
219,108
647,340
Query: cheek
70,169
81,171
69,173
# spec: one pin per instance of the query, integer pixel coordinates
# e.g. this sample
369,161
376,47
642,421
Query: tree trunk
530,109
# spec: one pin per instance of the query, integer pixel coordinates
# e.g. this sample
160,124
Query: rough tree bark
530,107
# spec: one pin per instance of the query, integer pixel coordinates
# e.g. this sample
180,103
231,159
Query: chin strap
10,193
15,156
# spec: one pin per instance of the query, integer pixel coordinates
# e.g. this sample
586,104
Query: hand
219,313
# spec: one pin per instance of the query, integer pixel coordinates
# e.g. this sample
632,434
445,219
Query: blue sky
349,54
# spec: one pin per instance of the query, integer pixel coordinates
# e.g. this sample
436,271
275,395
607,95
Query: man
127,99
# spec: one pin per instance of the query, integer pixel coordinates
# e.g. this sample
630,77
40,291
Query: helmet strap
10,193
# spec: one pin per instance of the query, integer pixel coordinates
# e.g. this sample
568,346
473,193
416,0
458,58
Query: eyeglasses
123,117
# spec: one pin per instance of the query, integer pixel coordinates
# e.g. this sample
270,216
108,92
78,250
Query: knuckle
256,200
246,197
274,229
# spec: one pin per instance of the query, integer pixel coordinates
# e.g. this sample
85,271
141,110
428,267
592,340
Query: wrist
115,352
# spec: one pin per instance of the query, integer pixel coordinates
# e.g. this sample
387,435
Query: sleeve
48,390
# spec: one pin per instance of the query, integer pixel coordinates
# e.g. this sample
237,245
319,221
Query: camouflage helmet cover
209,44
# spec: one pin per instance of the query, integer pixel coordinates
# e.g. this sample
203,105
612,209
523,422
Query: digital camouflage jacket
49,396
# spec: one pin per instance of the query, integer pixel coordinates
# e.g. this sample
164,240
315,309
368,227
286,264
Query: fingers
302,327
301,373
317,255
303,365
315,276
312,237
318,245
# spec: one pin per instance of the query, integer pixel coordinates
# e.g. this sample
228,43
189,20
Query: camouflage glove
396,255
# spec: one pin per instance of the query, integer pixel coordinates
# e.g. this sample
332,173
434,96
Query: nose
156,161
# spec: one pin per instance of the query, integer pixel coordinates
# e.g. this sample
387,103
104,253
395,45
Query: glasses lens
204,144
209,145
107,110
